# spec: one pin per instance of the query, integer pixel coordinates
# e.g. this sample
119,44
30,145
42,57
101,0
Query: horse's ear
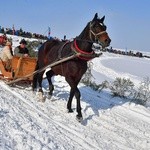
102,19
95,17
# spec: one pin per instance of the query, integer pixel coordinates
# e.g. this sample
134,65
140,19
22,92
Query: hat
23,41
8,43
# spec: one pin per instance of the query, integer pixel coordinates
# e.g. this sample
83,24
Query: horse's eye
97,26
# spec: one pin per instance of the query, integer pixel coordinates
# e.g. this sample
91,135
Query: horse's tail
35,78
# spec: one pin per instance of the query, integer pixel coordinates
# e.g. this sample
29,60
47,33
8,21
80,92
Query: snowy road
109,124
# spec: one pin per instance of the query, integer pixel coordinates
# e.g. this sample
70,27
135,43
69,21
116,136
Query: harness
59,54
60,50
82,54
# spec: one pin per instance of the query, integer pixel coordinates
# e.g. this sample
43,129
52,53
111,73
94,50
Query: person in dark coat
21,50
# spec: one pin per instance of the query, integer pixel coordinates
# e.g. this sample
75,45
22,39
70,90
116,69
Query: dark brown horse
72,70
3,40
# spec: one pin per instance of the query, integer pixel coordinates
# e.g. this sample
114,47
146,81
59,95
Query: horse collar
83,54
79,50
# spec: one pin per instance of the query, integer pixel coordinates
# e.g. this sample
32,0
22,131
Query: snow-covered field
108,123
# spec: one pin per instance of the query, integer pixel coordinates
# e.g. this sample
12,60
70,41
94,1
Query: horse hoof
70,110
41,97
79,118
33,89
48,96
34,92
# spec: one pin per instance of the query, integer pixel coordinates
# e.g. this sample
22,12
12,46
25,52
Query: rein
44,68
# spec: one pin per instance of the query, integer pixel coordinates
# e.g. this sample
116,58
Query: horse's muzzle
107,42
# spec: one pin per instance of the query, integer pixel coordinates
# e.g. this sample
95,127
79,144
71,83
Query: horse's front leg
78,95
74,91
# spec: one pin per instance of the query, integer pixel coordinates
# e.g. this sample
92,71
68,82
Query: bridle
95,34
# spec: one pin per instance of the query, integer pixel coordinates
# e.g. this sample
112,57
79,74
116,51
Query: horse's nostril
96,40
108,41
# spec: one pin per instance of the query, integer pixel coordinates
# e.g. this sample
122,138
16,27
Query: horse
73,70
3,40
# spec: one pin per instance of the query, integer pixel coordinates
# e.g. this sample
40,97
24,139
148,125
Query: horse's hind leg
49,75
40,78
40,92
78,95
35,78
34,82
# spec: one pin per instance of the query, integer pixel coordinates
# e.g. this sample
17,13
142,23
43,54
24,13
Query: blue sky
127,21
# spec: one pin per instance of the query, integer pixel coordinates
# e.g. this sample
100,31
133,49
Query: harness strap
61,48
44,68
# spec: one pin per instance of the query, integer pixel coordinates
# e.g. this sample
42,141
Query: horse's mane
84,30
50,44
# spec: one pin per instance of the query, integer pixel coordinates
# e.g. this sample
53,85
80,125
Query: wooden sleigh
20,67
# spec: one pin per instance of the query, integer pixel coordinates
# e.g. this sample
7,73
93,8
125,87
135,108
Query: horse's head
97,31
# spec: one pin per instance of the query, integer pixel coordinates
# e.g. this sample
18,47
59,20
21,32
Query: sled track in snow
66,131
113,129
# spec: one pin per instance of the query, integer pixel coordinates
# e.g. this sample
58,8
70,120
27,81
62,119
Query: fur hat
8,43
23,41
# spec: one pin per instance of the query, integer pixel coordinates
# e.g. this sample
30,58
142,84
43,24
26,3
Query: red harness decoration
84,55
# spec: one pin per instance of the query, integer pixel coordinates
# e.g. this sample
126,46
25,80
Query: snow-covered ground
108,123
114,65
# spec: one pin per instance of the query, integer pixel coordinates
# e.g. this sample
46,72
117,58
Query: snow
109,123
113,65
